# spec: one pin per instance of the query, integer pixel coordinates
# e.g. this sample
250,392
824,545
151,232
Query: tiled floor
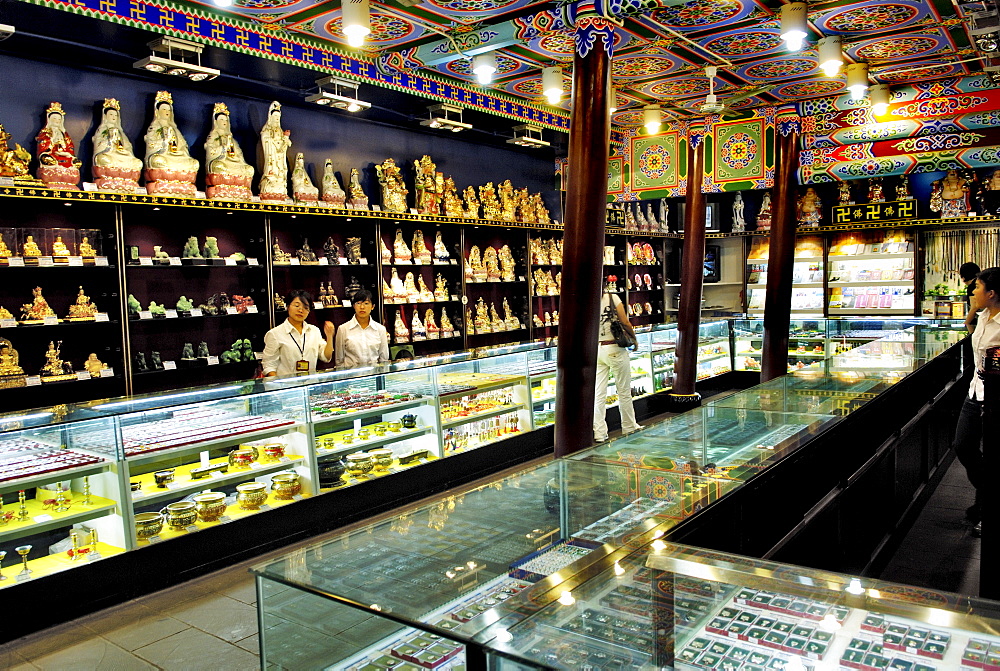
211,623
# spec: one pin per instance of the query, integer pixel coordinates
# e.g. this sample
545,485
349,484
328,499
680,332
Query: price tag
224,519
50,320
255,466
264,506
294,262
101,317
145,314
454,297
171,314
259,356
33,381
252,309
107,372
175,260
417,262
520,278
213,361
217,475
8,323
196,312
285,460
346,303
401,262
23,577
297,497
324,261
232,311
364,262
169,365
317,305
413,299
154,539
453,262
230,262
45,262
18,262
137,495
82,375
413,210
93,556
252,261
191,529
76,260
145,261
43,518
342,261
101,260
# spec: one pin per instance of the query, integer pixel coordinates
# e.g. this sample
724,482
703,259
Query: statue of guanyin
169,166
333,193
115,167
303,189
274,146
227,174
58,165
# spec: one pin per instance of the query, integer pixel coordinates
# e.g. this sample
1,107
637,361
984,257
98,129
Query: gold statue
227,174
359,201
86,249
30,247
115,166
82,309
420,251
37,310
452,201
5,313
492,264
169,166
5,252
440,288
94,366
59,247
58,165
488,198
471,203
279,257
393,190
55,367
14,162
506,264
541,212
474,269
507,203
11,373
525,207
428,196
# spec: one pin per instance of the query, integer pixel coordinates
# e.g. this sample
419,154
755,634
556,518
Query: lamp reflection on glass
567,598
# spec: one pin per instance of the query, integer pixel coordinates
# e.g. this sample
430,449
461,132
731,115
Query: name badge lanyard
301,366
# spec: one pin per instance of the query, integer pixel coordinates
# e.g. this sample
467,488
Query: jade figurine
191,250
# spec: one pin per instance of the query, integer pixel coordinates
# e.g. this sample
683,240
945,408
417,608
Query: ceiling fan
712,104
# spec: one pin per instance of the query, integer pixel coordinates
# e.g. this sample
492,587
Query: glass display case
60,494
713,350
662,344
872,271
542,374
807,343
807,276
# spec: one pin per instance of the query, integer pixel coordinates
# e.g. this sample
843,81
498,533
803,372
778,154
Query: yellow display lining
48,565
465,419
233,512
372,442
396,467
182,474
77,513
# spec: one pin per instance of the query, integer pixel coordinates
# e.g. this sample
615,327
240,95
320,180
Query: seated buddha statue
227,174
433,332
169,166
59,247
5,252
420,251
491,264
30,247
38,309
9,359
447,330
82,309
399,248
115,166
440,288
86,249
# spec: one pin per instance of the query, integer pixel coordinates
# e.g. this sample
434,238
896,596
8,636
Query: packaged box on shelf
516,570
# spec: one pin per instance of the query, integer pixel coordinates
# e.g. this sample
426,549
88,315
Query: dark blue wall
27,87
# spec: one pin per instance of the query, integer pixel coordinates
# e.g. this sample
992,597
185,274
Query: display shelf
200,445
396,467
233,513
50,564
479,389
870,257
487,414
868,283
197,366
373,412
179,316
99,507
73,262
55,476
359,445
183,484
870,311
63,322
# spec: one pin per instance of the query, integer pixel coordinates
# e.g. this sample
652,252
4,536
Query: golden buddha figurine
420,252
428,196
474,270
492,264
59,248
86,249
410,286
37,310
512,322
507,203
279,256
14,162
393,190
55,367
115,167
227,174
426,295
94,366
5,252
30,247
169,166
541,212
58,165
490,204
452,201
399,248
471,203
5,313
482,319
447,330
82,309
440,288
497,325
433,332
506,264
9,359
359,201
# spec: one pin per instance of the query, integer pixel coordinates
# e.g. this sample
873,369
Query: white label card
453,262
50,321
23,577
101,317
76,260
401,262
454,297
169,365
18,262
252,309
154,539
33,381
145,261
171,314
224,519
294,262
252,261
213,361
346,303
297,497
196,312
259,356
324,261
145,314
342,261
137,495
317,305
232,311
230,262
255,466
8,323
107,372
101,260
264,506
364,262
43,518
82,375
191,529
45,262
175,260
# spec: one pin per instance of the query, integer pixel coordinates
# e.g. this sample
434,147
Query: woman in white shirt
983,322
362,341
611,357
292,348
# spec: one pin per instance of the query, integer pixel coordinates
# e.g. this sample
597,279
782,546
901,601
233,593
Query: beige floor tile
50,640
229,619
10,659
144,631
96,654
193,650
26,666
250,644
245,591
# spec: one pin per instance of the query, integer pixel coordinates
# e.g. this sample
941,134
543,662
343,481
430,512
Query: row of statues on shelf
546,284
419,254
217,304
240,351
38,310
488,320
423,329
546,252
410,290
492,266
646,222
306,256
170,169
30,248
549,319
55,369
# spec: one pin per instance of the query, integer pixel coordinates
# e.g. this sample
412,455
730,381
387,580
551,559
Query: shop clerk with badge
292,347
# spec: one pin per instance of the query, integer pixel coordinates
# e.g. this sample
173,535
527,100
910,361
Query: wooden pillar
583,242
989,549
778,301
683,394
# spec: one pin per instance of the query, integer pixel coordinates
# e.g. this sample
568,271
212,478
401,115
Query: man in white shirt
361,341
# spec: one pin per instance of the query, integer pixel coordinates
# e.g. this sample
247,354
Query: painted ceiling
659,55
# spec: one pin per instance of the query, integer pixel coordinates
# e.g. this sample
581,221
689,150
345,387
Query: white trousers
612,358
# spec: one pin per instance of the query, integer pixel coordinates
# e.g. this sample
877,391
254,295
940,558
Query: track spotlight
528,136
552,84
831,55
445,117
339,93
355,21
651,118
880,95
484,65
794,24
177,62
857,80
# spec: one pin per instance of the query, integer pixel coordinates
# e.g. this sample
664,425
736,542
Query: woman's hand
329,330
